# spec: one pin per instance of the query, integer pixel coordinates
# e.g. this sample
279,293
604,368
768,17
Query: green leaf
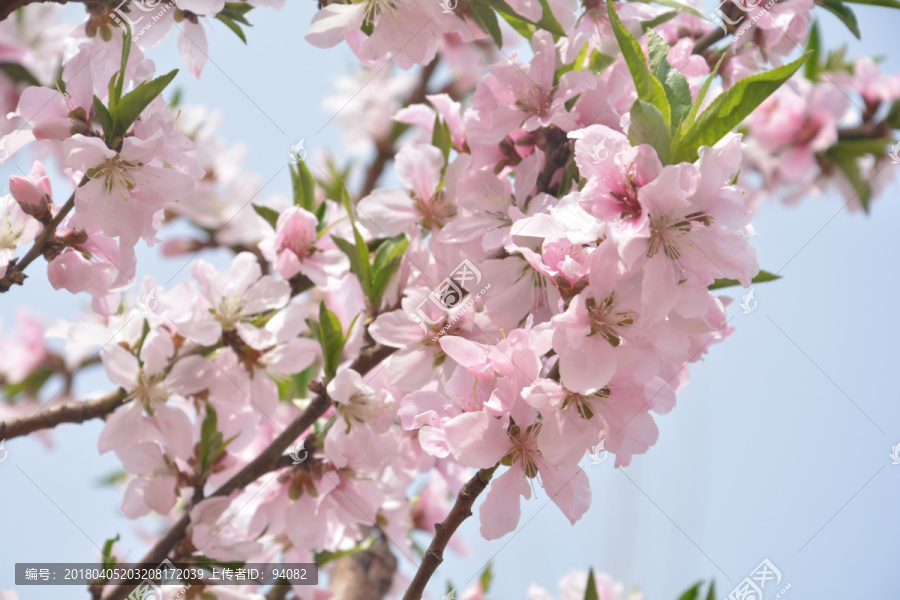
18,73
844,13
331,338
304,186
590,592
358,266
326,557
893,116
762,277
440,137
729,109
104,117
108,559
678,92
233,26
678,6
649,88
211,441
31,385
814,47
884,3
487,577
599,62
849,166
236,11
648,126
486,20
270,215
120,79
520,25
695,107
862,146
134,102
653,23
386,262
548,22
711,594
693,593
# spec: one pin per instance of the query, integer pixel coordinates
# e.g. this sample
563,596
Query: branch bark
462,510
8,7
365,575
385,148
70,412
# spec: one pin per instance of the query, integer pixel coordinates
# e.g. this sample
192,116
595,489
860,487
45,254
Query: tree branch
15,273
266,462
365,575
8,7
461,511
385,148
70,412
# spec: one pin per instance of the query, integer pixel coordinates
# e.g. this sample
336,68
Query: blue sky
778,448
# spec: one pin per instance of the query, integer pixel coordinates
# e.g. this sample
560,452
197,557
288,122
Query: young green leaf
134,102
304,187
486,19
270,215
693,593
487,577
862,146
590,592
233,26
678,92
599,62
108,559
386,262
711,594
814,46
649,88
440,137
678,6
849,166
548,22
104,117
762,277
728,110
330,333
18,73
648,126
844,13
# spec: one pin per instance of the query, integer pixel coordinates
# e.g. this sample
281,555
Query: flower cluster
532,285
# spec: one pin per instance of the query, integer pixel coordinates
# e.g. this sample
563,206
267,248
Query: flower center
607,320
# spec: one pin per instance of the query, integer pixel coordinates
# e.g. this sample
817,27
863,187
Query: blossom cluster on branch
530,290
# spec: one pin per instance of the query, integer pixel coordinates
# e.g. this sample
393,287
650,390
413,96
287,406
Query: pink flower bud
31,199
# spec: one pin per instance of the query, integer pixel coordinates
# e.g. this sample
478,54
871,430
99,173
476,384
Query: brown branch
461,511
15,274
267,461
385,148
365,575
708,40
8,7
70,412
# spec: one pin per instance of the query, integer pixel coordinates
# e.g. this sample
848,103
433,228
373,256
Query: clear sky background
778,449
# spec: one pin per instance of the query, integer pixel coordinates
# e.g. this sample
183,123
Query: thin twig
15,273
462,510
385,148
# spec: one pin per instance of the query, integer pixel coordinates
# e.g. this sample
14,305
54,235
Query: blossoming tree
527,287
